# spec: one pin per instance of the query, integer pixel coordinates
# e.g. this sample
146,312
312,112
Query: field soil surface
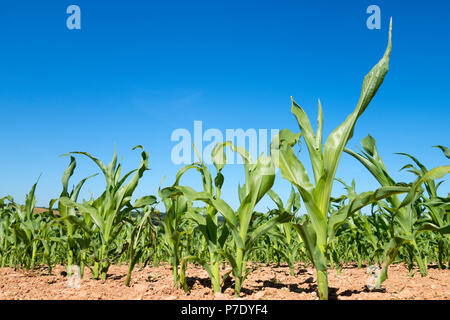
265,282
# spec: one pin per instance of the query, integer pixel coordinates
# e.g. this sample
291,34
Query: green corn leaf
435,228
445,150
66,176
337,140
274,196
337,218
433,174
226,211
313,142
144,201
85,208
77,189
264,228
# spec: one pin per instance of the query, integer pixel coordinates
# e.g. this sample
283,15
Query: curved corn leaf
337,218
445,150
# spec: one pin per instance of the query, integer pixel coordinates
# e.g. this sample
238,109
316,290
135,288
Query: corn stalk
325,159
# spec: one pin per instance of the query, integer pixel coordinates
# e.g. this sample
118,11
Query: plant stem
322,284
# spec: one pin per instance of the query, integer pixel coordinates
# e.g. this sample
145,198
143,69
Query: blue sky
138,70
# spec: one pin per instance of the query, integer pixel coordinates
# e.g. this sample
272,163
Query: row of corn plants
399,222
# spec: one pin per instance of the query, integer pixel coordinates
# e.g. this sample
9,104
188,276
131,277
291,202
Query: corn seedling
110,211
325,159
406,213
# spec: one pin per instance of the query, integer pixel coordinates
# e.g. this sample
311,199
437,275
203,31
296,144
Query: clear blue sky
137,70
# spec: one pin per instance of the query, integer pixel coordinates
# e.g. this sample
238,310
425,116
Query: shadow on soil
297,288
204,282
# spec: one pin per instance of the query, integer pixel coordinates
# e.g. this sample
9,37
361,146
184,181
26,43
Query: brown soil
266,282
42,210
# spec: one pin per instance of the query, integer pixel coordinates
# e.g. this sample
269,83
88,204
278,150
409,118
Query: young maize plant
136,241
173,230
406,213
364,239
27,238
269,247
259,178
437,213
214,232
7,239
32,230
285,229
105,216
72,240
321,228
339,249
356,232
381,226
